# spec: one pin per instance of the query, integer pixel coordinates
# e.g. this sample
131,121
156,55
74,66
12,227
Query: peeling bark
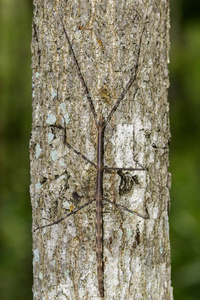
136,251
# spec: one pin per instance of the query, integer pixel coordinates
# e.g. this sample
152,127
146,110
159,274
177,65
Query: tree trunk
105,37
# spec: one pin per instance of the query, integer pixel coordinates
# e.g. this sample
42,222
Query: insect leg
129,83
72,148
124,169
84,85
63,218
129,210
142,168
80,154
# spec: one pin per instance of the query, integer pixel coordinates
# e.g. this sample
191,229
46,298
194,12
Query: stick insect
100,168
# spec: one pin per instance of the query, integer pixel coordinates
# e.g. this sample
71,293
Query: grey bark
136,251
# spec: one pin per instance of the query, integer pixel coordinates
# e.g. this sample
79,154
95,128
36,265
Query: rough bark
136,251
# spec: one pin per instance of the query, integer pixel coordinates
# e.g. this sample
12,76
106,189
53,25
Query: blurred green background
15,127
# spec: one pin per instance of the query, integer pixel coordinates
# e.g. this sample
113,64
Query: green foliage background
15,127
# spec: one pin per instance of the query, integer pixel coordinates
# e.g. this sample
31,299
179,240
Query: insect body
99,197
100,125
